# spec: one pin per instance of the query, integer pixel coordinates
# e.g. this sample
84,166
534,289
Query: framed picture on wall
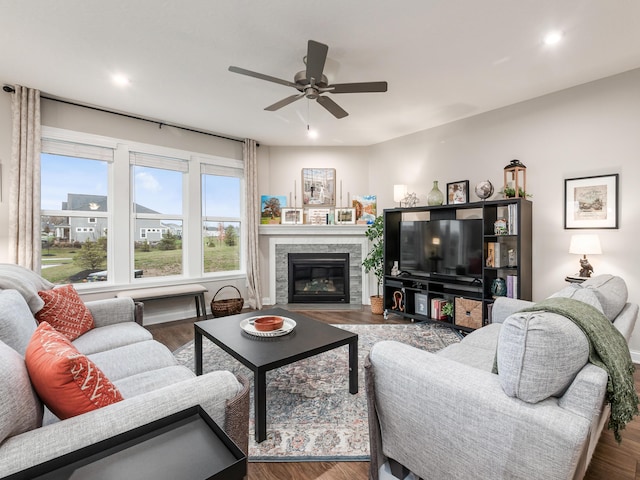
318,187
458,192
345,216
292,216
591,202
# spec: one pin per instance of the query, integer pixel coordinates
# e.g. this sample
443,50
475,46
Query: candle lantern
514,181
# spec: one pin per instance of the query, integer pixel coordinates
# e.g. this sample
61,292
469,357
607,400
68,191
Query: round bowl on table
268,323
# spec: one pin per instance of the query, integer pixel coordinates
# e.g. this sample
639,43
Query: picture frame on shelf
318,216
292,216
591,202
458,192
271,208
318,187
345,216
366,208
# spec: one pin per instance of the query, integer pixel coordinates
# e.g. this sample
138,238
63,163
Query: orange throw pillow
66,380
65,311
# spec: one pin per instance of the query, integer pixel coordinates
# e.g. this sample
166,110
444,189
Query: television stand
506,255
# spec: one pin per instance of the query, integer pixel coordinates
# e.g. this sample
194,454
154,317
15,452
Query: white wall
587,130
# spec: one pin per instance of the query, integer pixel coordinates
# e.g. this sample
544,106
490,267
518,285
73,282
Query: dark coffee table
308,338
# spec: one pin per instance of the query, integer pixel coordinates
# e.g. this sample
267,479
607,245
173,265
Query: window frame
121,217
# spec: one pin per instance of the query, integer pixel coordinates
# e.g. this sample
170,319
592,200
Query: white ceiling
443,59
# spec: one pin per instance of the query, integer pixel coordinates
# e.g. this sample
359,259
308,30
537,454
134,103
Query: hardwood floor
610,461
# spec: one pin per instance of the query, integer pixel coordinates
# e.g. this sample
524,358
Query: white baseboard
635,356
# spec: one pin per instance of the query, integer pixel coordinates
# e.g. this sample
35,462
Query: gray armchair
446,416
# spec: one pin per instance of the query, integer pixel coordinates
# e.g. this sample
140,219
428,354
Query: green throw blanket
608,350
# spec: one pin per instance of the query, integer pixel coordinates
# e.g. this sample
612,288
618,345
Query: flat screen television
448,248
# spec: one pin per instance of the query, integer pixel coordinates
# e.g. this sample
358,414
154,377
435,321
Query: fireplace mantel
292,237
294,230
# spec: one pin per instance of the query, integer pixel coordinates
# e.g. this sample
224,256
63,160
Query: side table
187,444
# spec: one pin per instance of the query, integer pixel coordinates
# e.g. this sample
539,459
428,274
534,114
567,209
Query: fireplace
318,277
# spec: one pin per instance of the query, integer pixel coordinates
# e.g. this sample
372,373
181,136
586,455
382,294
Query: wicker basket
468,313
228,306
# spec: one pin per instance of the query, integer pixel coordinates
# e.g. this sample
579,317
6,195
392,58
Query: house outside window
73,178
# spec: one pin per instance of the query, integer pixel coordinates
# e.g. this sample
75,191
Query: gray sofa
447,416
146,373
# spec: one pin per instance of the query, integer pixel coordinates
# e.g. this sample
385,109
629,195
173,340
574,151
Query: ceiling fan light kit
312,82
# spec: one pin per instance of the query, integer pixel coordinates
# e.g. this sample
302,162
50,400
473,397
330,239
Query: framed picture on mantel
591,202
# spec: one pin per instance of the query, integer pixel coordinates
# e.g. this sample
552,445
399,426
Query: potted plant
374,261
447,309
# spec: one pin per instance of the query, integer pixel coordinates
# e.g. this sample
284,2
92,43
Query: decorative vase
435,197
499,288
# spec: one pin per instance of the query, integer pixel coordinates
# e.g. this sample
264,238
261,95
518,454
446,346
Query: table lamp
585,245
399,193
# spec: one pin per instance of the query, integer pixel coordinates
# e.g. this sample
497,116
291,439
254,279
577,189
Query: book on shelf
436,308
512,286
512,219
496,255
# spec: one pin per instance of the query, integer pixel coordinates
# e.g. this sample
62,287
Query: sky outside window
62,175
220,196
158,189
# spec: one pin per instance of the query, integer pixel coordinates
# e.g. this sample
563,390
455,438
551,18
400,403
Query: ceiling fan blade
335,109
284,102
316,56
362,87
262,76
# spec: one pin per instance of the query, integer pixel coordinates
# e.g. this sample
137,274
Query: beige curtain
24,198
254,299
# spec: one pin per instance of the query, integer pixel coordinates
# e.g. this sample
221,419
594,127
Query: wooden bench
156,293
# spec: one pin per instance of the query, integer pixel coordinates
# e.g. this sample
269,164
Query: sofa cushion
20,408
65,311
148,381
66,380
539,354
16,321
585,295
111,336
25,281
140,357
611,291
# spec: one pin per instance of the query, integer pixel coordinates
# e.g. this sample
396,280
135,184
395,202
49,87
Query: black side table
187,444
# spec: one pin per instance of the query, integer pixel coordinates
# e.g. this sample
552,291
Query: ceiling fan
311,83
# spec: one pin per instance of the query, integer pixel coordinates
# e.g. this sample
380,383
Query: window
74,181
221,219
167,213
157,209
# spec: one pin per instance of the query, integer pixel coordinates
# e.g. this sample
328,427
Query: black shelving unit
410,296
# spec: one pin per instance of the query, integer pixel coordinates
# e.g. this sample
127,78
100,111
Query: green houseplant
374,261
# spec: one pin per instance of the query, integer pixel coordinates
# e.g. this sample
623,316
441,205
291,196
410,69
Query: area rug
311,416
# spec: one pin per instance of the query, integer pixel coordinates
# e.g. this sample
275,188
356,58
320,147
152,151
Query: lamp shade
399,192
585,245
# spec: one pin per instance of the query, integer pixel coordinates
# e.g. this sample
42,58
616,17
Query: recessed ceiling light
552,38
120,80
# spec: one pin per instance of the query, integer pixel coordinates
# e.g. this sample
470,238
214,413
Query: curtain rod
10,89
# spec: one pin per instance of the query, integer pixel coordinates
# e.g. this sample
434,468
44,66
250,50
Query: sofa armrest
505,306
211,391
442,419
113,310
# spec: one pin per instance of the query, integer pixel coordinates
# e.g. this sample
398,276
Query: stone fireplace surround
285,239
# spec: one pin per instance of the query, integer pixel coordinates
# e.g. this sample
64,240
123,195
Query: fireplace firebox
318,277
